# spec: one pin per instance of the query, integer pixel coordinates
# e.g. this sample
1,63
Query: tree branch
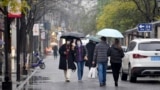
138,6
2,10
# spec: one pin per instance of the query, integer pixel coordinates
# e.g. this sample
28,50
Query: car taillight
139,56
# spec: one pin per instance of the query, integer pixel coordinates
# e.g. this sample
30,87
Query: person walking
67,58
80,55
116,54
55,51
101,58
90,48
1,59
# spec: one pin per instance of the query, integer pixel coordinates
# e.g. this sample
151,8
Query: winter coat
90,48
116,54
63,59
100,52
83,53
55,49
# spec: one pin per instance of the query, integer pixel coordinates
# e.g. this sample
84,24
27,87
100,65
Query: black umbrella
73,35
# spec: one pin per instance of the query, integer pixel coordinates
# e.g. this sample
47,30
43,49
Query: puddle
34,83
38,79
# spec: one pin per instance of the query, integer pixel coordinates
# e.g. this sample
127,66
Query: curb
20,87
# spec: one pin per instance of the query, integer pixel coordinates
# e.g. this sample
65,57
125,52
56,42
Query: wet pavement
51,78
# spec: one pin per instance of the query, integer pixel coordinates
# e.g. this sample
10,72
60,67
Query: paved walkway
53,79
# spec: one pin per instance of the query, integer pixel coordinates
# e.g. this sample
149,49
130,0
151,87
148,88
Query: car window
151,46
131,46
124,48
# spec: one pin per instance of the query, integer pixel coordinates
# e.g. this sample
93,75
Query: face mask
79,43
68,42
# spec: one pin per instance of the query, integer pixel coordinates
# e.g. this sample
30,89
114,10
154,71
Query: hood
115,47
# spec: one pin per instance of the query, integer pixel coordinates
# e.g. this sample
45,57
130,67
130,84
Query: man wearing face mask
80,54
66,62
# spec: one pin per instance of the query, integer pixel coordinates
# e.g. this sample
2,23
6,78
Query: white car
142,58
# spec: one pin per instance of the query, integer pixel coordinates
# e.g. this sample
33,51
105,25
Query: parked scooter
39,62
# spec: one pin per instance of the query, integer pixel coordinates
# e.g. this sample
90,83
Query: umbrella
94,38
110,33
73,35
53,43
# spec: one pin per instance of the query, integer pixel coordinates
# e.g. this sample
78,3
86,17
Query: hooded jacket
116,54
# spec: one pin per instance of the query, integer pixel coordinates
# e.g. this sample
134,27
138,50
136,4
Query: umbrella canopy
53,43
73,35
110,33
94,38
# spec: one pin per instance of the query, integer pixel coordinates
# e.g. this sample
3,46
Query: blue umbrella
94,38
108,32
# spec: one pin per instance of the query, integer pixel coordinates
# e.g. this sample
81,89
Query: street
52,78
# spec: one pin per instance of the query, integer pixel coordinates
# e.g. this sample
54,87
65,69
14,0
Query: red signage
15,13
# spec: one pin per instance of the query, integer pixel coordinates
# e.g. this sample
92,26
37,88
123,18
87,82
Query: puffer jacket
116,54
100,52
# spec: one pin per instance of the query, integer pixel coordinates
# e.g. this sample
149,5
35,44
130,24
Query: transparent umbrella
53,43
108,32
94,38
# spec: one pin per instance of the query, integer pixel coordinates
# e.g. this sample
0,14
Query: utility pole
18,50
7,84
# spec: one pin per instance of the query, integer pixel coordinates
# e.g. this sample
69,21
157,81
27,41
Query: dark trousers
0,68
115,70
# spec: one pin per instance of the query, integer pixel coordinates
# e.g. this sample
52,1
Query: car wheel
123,76
131,77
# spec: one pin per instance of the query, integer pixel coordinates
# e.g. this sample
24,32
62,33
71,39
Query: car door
128,53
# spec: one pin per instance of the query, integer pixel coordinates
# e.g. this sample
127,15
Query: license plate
155,58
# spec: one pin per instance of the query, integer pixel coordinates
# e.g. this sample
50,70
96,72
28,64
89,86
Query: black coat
63,61
90,48
116,54
55,50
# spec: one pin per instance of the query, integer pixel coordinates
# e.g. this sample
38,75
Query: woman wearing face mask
80,54
66,63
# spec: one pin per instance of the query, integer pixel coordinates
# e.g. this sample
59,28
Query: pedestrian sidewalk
52,78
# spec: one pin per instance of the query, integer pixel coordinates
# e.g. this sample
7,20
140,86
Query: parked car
124,48
142,58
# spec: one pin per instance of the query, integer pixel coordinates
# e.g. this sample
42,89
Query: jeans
102,72
80,67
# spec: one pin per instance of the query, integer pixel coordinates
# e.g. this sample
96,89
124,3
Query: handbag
92,72
85,58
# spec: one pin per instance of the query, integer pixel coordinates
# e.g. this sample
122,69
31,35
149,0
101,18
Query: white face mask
68,42
79,43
